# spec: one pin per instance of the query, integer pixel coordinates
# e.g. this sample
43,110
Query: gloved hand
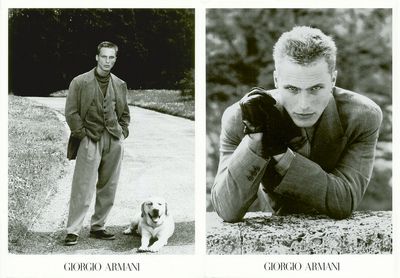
254,106
260,114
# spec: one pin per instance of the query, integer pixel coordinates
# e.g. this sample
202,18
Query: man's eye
292,89
316,88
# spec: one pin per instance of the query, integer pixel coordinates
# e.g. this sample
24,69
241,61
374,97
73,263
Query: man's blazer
331,181
81,94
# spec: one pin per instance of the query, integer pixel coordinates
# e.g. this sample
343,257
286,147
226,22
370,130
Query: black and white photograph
101,131
299,131
199,138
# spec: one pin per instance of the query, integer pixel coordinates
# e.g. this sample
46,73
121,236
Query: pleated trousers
97,169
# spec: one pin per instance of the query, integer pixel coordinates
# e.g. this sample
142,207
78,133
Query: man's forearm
236,184
283,160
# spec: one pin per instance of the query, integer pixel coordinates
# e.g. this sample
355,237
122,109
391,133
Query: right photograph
299,131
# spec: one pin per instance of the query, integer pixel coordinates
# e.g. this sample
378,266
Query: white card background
199,264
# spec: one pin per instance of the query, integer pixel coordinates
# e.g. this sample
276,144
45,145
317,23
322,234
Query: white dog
153,222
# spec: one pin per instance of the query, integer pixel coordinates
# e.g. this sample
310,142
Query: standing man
97,113
310,144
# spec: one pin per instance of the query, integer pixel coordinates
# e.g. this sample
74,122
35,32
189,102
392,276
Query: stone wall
365,232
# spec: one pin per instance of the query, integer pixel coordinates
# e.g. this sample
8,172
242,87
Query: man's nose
304,101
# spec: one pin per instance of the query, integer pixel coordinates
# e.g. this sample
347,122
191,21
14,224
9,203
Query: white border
198,265
3,140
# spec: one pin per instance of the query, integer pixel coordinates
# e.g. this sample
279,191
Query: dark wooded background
48,47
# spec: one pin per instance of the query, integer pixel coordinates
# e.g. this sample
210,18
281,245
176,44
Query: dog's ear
166,209
143,213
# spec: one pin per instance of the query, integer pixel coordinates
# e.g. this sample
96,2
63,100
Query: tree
48,47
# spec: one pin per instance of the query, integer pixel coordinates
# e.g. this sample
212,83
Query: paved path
158,160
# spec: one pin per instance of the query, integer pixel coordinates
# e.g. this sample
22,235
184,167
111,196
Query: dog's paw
128,231
154,249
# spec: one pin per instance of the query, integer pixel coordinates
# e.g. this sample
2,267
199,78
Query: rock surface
365,232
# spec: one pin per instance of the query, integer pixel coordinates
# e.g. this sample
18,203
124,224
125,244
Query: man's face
304,91
106,59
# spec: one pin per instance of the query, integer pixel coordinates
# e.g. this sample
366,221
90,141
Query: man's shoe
102,234
71,239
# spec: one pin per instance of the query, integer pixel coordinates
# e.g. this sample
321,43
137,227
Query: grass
36,157
165,101
170,102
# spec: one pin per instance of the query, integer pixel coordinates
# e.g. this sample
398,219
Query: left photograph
101,131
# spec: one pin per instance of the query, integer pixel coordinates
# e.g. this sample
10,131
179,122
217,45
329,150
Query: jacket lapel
117,92
328,140
88,92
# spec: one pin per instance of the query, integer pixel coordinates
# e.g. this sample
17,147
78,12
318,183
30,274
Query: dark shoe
71,239
102,234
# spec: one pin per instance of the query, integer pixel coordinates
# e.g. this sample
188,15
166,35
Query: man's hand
254,106
260,114
254,143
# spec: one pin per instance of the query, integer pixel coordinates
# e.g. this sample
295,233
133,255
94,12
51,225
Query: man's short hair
108,45
304,45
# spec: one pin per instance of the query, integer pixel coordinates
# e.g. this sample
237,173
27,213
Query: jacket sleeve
338,192
239,171
72,106
125,118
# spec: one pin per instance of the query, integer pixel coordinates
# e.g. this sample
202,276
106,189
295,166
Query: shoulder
352,103
232,116
231,123
118,81
353,107
84,76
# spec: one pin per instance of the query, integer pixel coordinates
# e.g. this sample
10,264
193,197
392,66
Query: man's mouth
304,116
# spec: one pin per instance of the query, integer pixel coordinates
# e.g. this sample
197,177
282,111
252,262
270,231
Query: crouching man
310,144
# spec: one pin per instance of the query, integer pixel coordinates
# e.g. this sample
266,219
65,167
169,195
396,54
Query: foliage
165,101
187,83
239,45
48,47
239,56
36,155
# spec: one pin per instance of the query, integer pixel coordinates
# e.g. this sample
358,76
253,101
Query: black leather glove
260,114
254,106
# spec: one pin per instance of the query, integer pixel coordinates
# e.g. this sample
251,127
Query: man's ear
97,58
166,208
334,76
275,79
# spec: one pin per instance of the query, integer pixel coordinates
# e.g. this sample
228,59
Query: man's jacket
82,92
331,181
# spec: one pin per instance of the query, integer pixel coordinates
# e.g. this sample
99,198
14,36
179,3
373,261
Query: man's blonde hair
304,45
107,45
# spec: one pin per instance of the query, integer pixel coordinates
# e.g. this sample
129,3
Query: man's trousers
96,161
